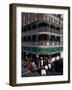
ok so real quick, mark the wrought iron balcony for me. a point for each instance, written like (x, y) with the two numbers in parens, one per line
(44, 29)
(43, 43)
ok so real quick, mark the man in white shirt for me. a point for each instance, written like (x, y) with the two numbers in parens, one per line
(49, 66)
(41, 61)
(43, 72)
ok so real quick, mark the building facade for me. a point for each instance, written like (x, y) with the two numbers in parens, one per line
(42, 36)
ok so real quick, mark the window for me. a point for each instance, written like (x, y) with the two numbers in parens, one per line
(28, 15)
(57, 22)
(24, 18)
(53, 20)
(47, 18)
(50, 19)
(35, 18)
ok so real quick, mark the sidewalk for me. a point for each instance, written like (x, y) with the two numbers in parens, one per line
(25, 70)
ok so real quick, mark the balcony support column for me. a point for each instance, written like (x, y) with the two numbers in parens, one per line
(48, 39)
(37, 27)
(31, 27)
(37, 39)
(26, 38)
(31, 39)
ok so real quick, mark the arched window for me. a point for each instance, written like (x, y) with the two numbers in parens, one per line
(52, 26)
(34, 38)
(43, 24)
(52, 38)
(28, 38)
(24, 29)
(34, 26)
(57, 39)
(42, 37)
(29, 27)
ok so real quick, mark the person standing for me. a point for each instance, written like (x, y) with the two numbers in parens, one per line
(41, 62)
(34, 68)
(49, 67)
(46, 64)
(43, 71)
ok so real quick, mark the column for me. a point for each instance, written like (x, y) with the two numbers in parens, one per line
(50, 40)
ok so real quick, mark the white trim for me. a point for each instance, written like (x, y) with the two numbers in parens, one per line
(42, 46)
(31, 33)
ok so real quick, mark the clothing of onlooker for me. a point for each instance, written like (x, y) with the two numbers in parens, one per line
(43, 72)
(34, 66)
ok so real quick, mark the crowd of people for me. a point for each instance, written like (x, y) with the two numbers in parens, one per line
(42, 65)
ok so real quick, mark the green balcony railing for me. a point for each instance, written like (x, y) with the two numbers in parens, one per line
(39, 50)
